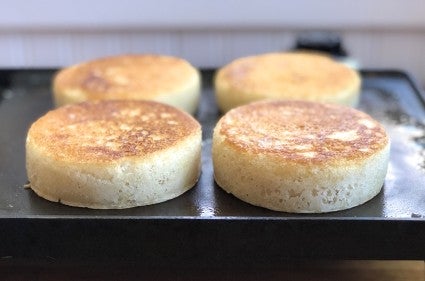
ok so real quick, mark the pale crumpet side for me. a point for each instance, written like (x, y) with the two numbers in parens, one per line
(113, 154)
(298, 156)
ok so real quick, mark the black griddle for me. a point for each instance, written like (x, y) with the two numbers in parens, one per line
(207, 226)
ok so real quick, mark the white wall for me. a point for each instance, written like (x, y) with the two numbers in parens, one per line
(48, 33)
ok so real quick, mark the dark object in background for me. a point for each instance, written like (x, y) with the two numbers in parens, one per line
(326, 42)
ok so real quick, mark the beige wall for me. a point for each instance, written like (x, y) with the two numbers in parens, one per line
(379, 33)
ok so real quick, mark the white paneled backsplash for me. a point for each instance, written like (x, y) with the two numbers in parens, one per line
(379, 34)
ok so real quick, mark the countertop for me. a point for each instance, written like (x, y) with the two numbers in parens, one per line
(294, 271)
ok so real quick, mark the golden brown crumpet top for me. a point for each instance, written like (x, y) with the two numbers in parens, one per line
(303, 132)
(101, 131)
(126, 76)
(289, 75)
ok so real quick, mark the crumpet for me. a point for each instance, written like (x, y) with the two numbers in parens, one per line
(286, 76)
(166, 79)
(302, 157)
(113, 154)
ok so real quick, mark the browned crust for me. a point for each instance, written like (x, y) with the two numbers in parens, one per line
(288, 75)
(102, 131)
(126, 76)
(303, 132)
